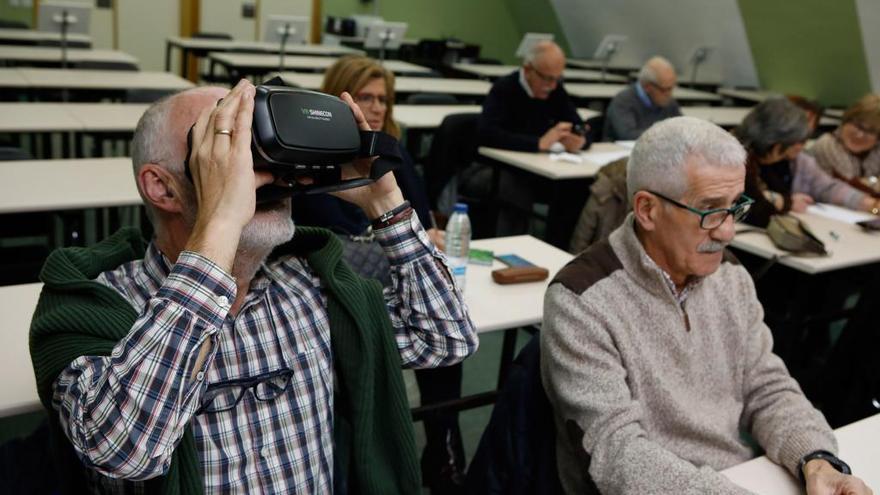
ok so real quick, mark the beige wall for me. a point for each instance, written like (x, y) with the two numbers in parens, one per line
(224, 16)
(143, 27)
(101, 28)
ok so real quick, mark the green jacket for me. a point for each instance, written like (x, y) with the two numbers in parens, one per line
(373, 432)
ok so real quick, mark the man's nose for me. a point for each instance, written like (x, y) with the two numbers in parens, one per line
(724, 232)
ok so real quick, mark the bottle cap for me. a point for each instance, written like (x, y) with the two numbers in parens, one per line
(462, 207)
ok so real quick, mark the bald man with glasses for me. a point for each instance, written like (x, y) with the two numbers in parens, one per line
(647, 101)
(529, 110)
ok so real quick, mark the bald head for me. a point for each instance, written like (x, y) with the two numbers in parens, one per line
(545, 52)
(543, 65)
(658, 79)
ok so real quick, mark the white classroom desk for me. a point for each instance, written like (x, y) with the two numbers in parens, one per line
(430, 116)
(107, 117)
(752, 95)
(499, 307)
(218, 45)
(470, 87)
(541, 164)
(48, 185)
(859, 445)
(8, 35)
(19, 391)
(201, 45)
(601, 91)
(494, 71)
(597, 65)
(852, 246)
(37, 117)
(249, 63)
(81, 79)
(12, 78)
(45, 54)
(732, 116)
(70, 117)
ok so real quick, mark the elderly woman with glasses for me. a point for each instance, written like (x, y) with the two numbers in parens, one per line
(779, 175)
(852, 151)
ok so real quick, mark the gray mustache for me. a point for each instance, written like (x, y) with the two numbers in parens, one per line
(711, 247)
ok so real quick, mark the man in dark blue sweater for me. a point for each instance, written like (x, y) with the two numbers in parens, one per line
(529, 110)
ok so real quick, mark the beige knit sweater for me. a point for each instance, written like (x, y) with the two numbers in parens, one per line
(652, 397)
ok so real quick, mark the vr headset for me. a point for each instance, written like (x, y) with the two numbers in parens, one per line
(298, 133)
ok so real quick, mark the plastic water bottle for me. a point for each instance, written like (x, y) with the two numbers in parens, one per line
(458, 241)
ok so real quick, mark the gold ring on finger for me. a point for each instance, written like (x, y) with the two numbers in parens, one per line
(226, 132)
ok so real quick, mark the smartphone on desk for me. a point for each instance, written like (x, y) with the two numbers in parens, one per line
(872, 225)
(513, 260)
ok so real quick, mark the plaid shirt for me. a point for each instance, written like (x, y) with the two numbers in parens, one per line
(125, 413)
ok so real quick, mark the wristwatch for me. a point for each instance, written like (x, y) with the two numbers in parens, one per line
(830, 458)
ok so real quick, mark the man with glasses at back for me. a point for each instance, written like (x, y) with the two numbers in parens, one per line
(654, 353)
(647, 101)
(529, 110)
(235, 353)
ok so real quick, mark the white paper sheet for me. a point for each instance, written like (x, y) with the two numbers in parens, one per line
(604, 157)
(838, 213)
(626, 144)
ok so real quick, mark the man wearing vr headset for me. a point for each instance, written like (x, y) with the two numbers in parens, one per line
(208, 359)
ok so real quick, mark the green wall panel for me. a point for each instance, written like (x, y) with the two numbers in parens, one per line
(497, 25)
(21, 14)
(538, 16)
(809, 47)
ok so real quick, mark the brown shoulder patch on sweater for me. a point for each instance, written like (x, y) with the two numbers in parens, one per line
(589, 267)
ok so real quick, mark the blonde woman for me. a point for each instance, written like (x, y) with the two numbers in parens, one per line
(372, 88)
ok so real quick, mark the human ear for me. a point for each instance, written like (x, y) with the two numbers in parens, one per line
(160, 188)
(646, 207)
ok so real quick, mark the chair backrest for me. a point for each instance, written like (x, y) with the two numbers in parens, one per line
(453, 148)
(107, 65)
(431, 99)
(10, 153)
(517, 452)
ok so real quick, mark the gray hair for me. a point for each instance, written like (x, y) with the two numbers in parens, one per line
(539, 50)
(773, 121)
(151, 142)
(648, 72)
(658, 160)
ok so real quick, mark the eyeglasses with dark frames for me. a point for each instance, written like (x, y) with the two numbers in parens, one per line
(224, 396)
(712, 219)
(547, 78)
